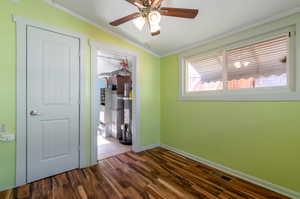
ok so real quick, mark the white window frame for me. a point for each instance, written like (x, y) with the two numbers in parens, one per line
(284, 93)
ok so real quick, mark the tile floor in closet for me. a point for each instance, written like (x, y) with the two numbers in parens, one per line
(110, 146)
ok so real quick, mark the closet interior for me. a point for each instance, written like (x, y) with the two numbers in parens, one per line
(115, 105)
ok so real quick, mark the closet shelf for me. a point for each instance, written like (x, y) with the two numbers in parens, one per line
(125, 98)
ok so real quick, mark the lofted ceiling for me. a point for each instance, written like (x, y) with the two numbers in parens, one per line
(215, 18)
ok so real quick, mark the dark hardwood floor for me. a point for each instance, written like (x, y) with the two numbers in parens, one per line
(152, 174)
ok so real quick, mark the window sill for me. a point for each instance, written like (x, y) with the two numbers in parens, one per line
(264, 94)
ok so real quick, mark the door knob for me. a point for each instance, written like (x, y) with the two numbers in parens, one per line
(34, 113)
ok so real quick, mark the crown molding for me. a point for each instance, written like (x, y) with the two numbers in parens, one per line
(234, 31)
(74, 14)
(186, 47)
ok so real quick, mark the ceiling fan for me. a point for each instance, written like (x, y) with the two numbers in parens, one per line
(150, 12)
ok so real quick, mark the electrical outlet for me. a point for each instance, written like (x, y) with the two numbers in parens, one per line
(2, 128)
(7, 138)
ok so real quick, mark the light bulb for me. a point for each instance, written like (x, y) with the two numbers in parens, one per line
(154, 18)
(238, 64)
(139, 22)
(154, 28)
(246, 63)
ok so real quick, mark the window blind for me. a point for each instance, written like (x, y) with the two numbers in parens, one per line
(261, 59)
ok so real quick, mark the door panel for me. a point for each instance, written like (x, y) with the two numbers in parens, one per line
(56, 65)
(51, 146)
(52, 103)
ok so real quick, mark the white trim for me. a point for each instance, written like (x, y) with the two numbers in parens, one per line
(232, 32)
(95, 46)
(21, 138)
(7, 188)
(144, 148)
(93, 106)
(21, 100)
(93, 23)
(252, 179)
(288, 93)
(26, 21)
(83, 162)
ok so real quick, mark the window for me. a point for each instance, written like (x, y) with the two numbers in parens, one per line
(205, 74)
(258, 67)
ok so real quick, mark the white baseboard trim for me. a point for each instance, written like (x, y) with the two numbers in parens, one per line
(7, 188)
(252, 179)
(144, 148)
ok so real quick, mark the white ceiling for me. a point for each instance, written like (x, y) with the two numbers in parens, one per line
(215, 17)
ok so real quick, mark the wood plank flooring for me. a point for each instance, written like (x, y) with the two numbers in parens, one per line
(152, 174)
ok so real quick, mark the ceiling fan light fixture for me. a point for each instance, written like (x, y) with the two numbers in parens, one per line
(151, 12)
(154, 18)
(154, 28)
(139, 22)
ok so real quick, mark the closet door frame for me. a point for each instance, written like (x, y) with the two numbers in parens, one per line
(136, 103)
(21, 94)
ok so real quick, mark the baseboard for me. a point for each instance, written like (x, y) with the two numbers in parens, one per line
(144, 148)
(252, 179)
(249, 178)
(7, 188)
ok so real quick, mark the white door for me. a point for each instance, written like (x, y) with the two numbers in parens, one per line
(52, 103)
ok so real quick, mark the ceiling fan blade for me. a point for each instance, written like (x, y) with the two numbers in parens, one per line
(155, 33)
(125, 19)
(156, 3)
(179, 12)
(137, 3)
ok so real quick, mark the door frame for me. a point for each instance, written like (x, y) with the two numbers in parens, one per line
(21, 101)
(96, 46)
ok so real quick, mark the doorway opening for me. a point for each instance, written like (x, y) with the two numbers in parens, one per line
(114, 107)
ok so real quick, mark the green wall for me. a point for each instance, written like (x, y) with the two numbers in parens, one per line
(261, 139)
(257, 138)
(42, 12)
